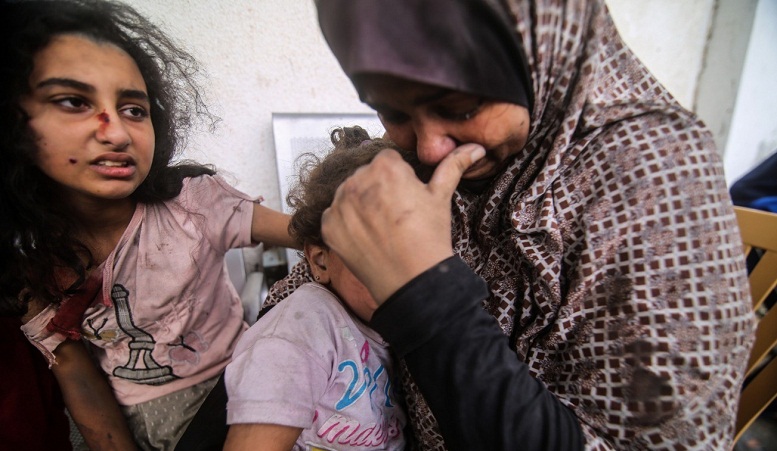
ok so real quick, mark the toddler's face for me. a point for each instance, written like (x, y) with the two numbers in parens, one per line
(90, 113)
(349, 288)
(333, 273)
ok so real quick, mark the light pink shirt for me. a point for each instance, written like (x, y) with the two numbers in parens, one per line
(309, 364)
(168, 317)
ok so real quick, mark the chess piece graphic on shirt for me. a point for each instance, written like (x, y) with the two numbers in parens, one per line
(141, 345)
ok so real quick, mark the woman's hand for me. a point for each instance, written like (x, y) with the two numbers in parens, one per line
(388, 226)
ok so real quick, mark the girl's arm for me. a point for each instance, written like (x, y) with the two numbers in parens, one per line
(90, 400)
(268, 437)
(271, 228)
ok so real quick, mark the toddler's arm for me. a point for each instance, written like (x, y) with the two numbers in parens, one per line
(271, 228)
(268, 437)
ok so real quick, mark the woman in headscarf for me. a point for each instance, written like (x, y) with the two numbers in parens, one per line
(594, 293)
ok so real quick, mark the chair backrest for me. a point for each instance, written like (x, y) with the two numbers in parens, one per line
(759, 234)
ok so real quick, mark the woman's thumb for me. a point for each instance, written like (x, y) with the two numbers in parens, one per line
(450, 170)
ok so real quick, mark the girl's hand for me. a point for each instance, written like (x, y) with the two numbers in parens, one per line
(388, 226)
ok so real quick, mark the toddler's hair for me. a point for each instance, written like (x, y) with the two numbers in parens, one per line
(319, 178)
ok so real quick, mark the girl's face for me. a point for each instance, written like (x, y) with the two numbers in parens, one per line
(434, 121)
(89, 111)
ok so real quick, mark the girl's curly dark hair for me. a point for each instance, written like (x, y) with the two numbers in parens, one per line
(36, 235)
(319, 178)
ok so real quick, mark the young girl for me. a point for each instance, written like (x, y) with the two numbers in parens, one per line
(103, 237)
(333, 387)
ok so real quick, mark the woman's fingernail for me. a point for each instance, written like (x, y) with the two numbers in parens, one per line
(477, 152)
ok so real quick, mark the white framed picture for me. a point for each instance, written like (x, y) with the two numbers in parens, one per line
(295, 134)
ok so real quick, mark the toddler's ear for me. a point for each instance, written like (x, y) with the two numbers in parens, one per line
(317, 257)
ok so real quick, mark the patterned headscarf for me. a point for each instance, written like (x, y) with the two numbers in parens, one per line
(609, 245)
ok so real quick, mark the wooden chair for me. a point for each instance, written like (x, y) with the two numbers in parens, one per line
(759, 232)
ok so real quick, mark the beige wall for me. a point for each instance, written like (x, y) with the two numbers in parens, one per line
(752, 128)
(669, 36)
(262, 56)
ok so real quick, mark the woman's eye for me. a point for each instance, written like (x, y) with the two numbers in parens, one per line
(393, 117)
(135, 112)
(72, 103)
(460, 111)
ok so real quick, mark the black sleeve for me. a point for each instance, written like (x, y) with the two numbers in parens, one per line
(758, 183)
(481, 394)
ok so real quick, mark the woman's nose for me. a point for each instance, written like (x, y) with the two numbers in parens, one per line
(111, 131)
(433, 143)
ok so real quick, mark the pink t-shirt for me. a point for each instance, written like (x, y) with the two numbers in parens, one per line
(168, 316)
(308, 363)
